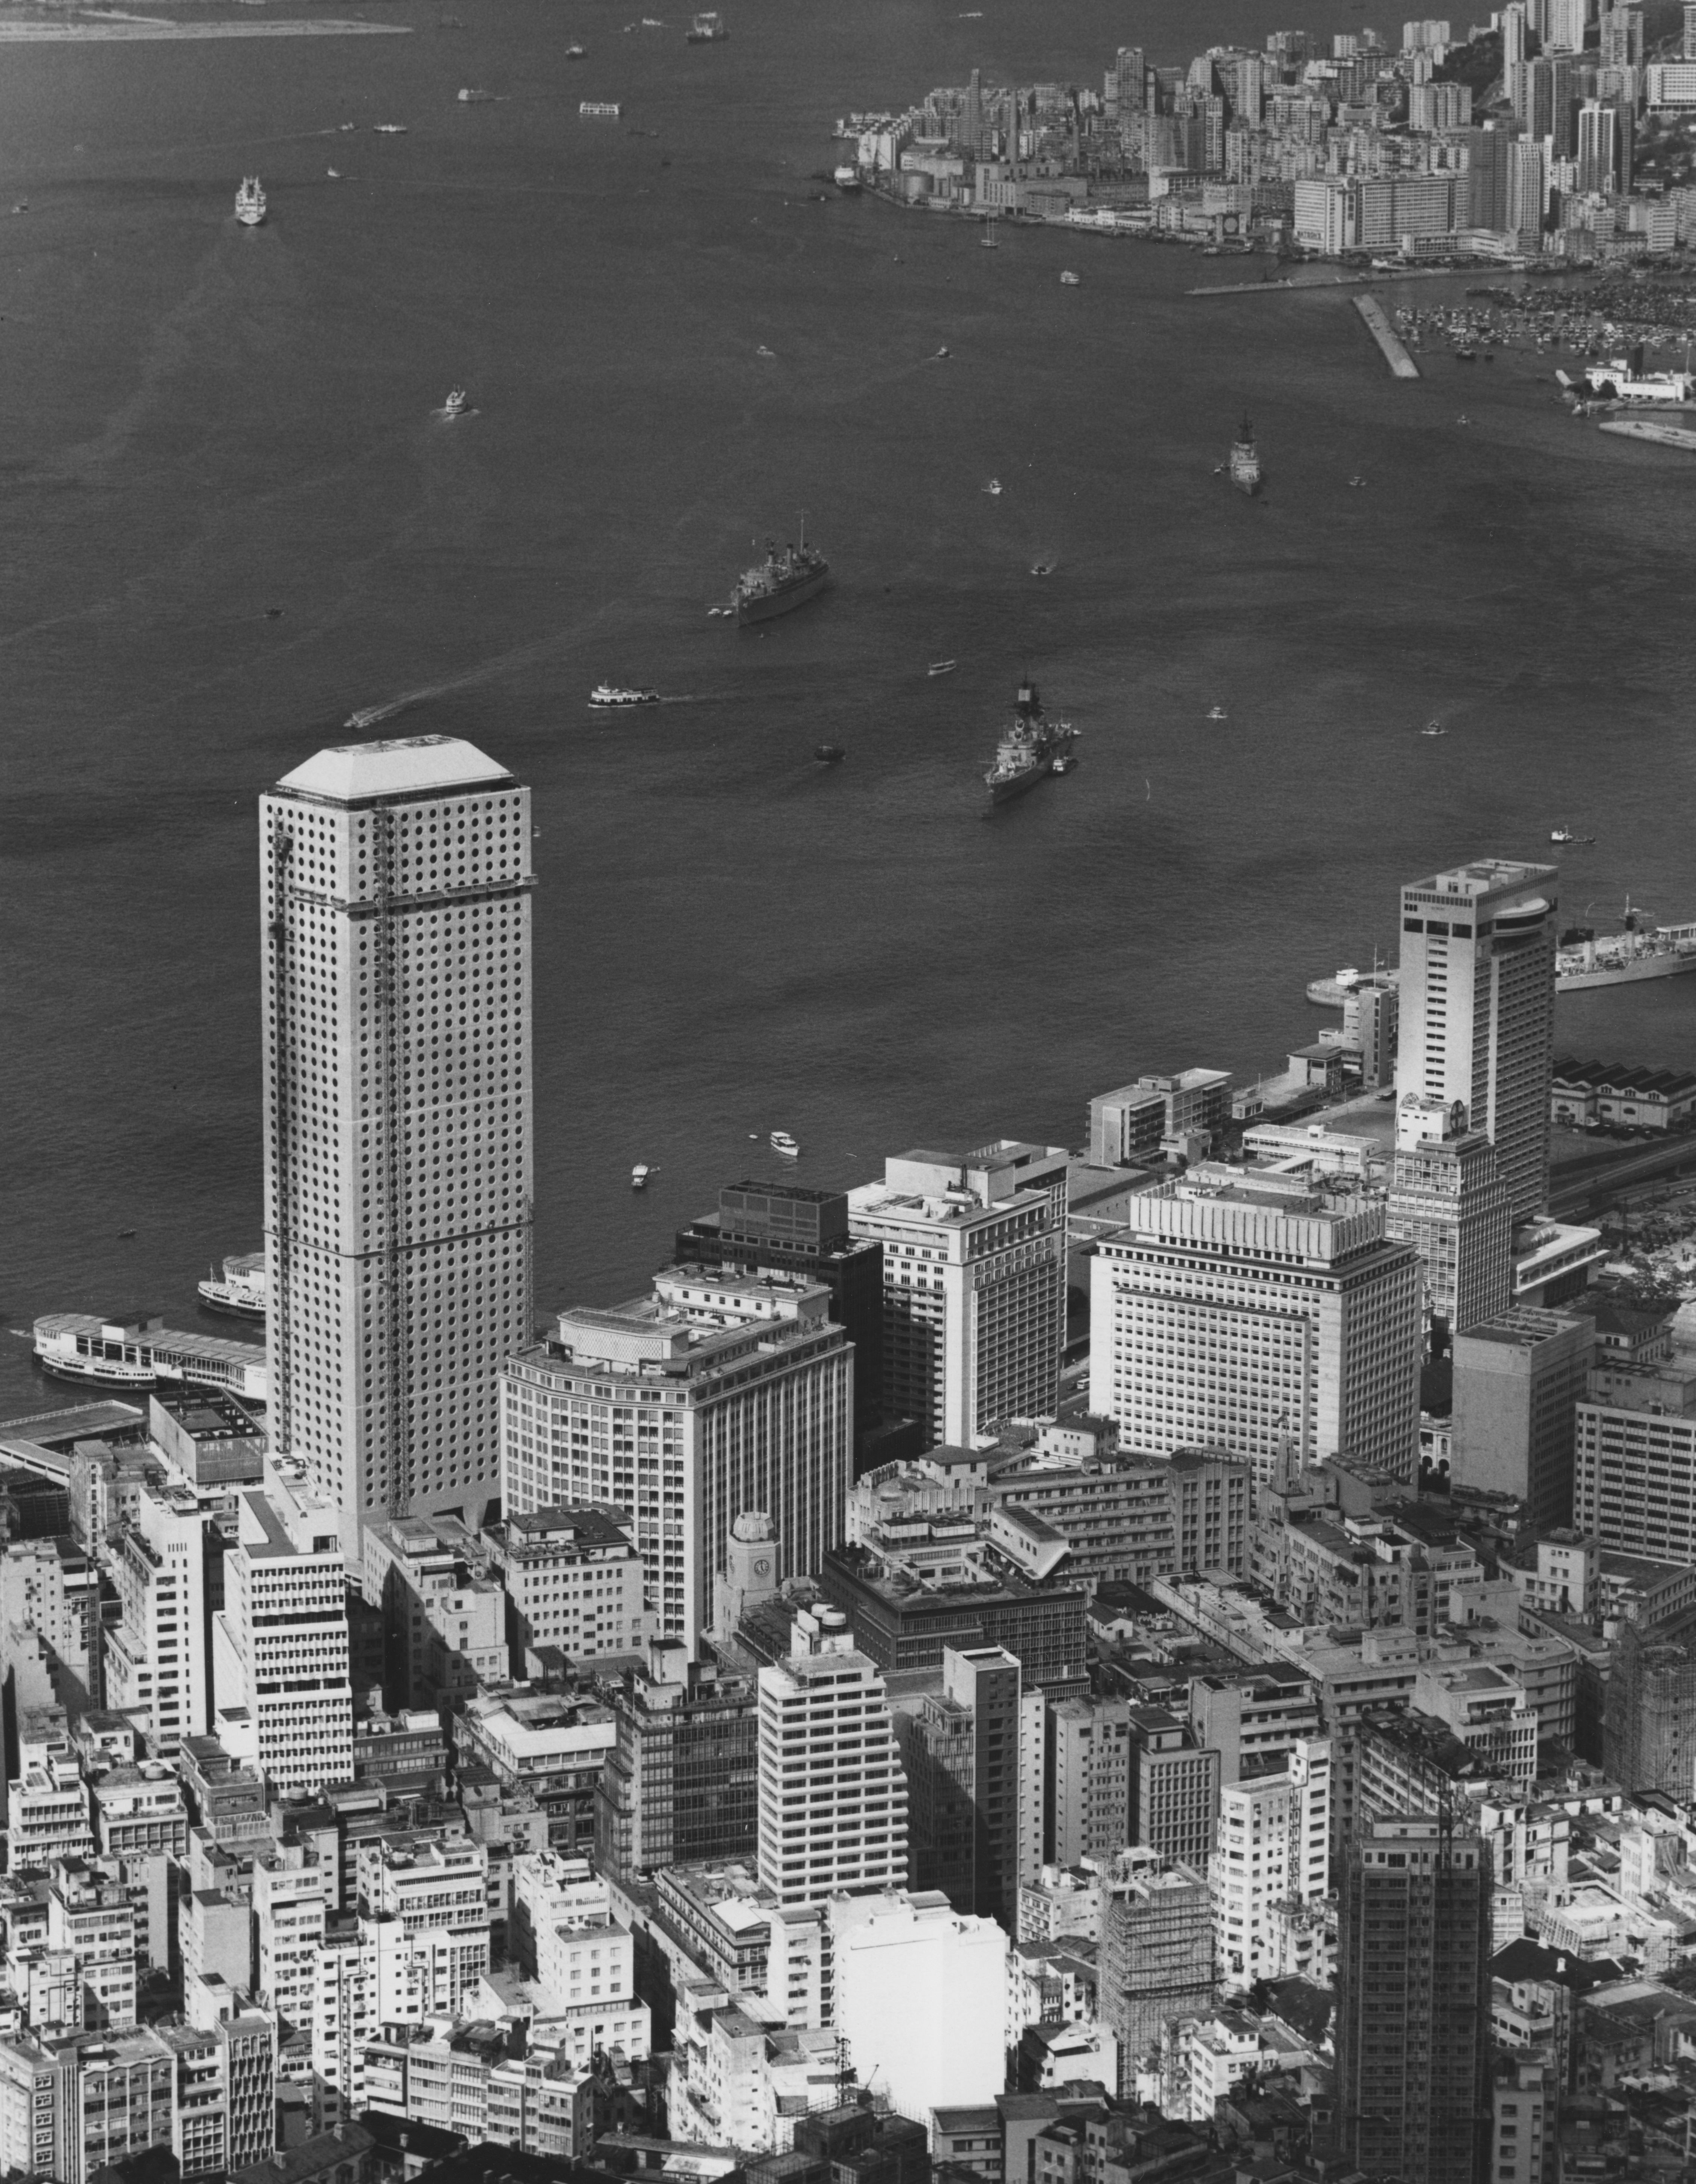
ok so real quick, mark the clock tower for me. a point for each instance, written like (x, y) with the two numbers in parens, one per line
(749, 1574)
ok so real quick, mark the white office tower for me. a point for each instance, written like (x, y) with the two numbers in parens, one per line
(1447, 1199)
(1233, 1309)
(1477, 1008)
(723, 1391)
(833, 1796)
(974, 1284)
(395, 880)
(921, 2000)
(1273, 1853)
(280, 1642)
(156, 1673)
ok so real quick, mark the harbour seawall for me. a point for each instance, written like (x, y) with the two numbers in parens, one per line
(1401, 365)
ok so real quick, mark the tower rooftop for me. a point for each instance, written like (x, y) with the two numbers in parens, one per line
(353, 773)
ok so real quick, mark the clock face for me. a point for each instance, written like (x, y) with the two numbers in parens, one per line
(763, 1567)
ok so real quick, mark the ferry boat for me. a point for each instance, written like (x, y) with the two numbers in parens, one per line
(1584, 959)
(608, 697)
(1245, 461)
(1025, 753)
(639, 1176)
(240, 1291)
(599, 109)
(250, 202)
(785, 581)
(782, 1142)
(140, 1353)
(706, 30)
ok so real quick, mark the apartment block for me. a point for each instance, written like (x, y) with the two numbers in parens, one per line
(1634, 1480)
(572, 1579)
(1273, 1848)
(1174, 1788)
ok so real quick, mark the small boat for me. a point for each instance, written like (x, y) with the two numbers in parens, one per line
(830, 754)
(782, 1142)
(250, 202)
(639, 1176)
(1357, 479)
(1566, 834)
(124, 1234)
(993, 487)
(574, 52)
(607, 697)
(1064, 763)
(1463, 420)
(1433, 728)
(476, 97)
(1042, 568)
(456, 404)
(273, 614)
(942, 667)
(1218, 713)
(1068, 281)
(389, 129)
(334, 174)
(1245, 461)
(763, 351)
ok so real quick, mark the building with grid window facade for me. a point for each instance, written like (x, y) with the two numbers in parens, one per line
(974, 1284)
(395, 880)
(721, 1392)
(833, 1795)
(1634, 1480)
(1273, 1848)
(1233, 1316)
(1477, 1010)
(1447, 1199)
(1413, 2013)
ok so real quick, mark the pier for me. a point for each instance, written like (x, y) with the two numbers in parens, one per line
(1401, 365)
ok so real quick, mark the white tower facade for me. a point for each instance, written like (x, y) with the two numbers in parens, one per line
(833, 1792)
(1477, 1010)
(395, 879)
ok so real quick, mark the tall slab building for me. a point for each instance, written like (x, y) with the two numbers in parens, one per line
(1477, 1009)
(395, 881)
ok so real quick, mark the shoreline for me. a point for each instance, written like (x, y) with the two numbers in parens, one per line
(145, 27)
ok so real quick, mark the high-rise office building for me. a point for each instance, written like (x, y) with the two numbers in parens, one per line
(1477, 990)
(720, 1393)
(785, 1228)
(1174, 1787)
(681, 1784)
(1413, 2014)
(280, 1667)
(1231, 1314)
(1518, 1380)
(974, 1284)
(1447, 1199)
(833, 1796)
(395, 882)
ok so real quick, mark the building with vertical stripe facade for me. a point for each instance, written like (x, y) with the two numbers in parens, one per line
(395, 880)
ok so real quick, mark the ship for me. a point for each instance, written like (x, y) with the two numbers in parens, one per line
(1584, 959)
(1245, 460)
(847, 179)
(706, 30)
(1566, 834)
(250, 202)
(476, 97)
(1026, 753)
(575, 52)
(787, 579)
(240, 1291)
(599, 109)
(140, 1353)
(639, 1176)
(456, 404)
(608, 697)
(782, 1142)
(1068, 280)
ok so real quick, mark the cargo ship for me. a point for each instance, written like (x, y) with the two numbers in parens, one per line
(787, 578)
(1027, 752)
(1585, 959)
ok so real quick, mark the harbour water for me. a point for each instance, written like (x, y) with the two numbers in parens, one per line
(206, 422)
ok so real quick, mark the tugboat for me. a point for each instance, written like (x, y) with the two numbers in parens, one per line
(608, 697)
(787, 580)
(250, 202)
(1027, 751)
(1245, 460)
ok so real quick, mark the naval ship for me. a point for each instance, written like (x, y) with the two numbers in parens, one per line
(786, 579)
(1033, 748)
